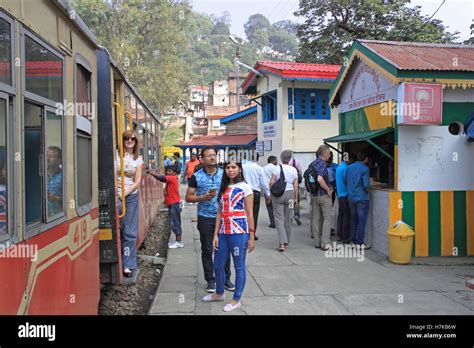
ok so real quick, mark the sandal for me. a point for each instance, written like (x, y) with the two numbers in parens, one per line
(282, 247)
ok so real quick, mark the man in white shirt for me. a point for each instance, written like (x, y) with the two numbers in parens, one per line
(295, 163)
(253, 174)
(268, 171)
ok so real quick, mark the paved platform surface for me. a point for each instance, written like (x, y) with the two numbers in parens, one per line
(304, 280)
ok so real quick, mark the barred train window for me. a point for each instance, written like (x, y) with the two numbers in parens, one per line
(44, 71)
(84, 109)
(5, 53)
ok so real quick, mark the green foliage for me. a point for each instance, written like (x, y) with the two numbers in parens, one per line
(146, 39)
(257, 29)
(470, 41)
(331, 26)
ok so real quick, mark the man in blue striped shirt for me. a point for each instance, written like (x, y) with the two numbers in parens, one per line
(358, 185)
(343, 230)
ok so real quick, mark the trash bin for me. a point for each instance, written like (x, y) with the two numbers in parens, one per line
(400, 242)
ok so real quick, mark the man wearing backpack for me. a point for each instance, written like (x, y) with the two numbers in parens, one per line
(284, 191)
(321, 202)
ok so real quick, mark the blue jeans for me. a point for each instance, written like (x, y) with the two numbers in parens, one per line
(359, 215)
(236, 244)
(205, 227)
(129, 231)
(175, 218)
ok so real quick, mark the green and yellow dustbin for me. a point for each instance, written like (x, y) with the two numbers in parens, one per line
(400, 242)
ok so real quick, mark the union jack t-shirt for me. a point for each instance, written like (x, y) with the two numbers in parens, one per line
(233, 217)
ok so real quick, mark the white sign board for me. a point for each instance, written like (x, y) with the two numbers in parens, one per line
(267, 145)
(259, 148)
(364, 87)
(432, 159)
(269, 131)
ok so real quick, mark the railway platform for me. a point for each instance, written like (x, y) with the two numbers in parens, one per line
(304, 280)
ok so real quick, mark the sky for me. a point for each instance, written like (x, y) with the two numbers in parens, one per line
(456, 14)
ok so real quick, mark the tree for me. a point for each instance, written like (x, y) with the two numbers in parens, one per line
(257, 29)
(282, 37)
(146, 39)
(331, 26)
(470, 41)
(286, 25)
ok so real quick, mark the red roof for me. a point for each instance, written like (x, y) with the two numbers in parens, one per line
(423, 56)
(220, 140)
(291, 70)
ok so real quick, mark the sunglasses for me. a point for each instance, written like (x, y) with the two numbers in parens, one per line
(133, 139)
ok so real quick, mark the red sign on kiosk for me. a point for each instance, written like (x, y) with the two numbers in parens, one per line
(419, 103)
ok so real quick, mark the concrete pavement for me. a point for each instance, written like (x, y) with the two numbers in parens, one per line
(305, 280)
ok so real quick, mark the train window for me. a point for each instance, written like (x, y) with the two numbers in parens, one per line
(141, 119)
(129, 108)
(84, 169)
(151, 155)
(33, 163)
(54, 165)
(44, 167)
(83, 91)
(83, 135)
(5, 52)
(3, 170)
(44, 71)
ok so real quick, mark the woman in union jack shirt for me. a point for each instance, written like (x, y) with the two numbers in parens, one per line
(234, 232)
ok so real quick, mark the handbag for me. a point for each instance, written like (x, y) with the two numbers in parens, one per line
(278, 188)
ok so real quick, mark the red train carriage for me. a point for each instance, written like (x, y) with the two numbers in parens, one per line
(128, 112)
(50, 186)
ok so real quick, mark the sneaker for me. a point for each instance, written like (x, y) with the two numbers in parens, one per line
(176, 245)
(229, 285)
(298, 221)
(230, 307)
(272, 226)
(212, 298)
(364, 246)
(211, 287)
(327, 247)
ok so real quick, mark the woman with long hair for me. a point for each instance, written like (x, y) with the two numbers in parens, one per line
(234, 232)
(129, 223)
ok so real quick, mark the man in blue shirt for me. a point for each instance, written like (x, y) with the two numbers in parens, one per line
(321, 203)
(343, 229)
(203, 187)
(358, 185)
(54, 180)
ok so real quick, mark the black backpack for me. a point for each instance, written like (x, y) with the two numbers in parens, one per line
(278, 188)
(310, 179)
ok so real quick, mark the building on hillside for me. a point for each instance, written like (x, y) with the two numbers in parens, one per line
(293, 107)
(240, 137)
(404, 104)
